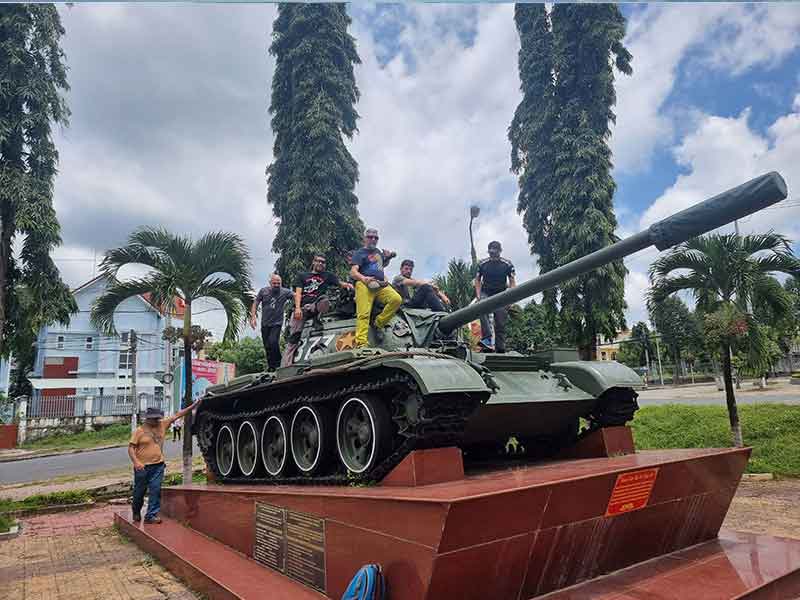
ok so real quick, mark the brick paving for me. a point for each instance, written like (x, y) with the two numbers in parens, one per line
(79, 556)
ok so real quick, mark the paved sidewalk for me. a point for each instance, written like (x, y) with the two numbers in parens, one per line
(79, 556)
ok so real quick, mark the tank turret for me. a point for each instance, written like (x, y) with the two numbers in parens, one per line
(341, 415)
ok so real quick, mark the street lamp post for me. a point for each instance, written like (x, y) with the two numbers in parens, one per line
(474, 211)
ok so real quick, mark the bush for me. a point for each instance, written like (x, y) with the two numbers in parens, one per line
(5, 523)
(117, 433)
(42, 500)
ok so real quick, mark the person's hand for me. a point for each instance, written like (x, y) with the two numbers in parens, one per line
(253, 322)
(389, 254)
(444, 298)
(366, 279)
(137, 466)
(348, 286)
(298, 314)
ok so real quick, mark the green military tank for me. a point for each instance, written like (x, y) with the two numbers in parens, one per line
(342, 415)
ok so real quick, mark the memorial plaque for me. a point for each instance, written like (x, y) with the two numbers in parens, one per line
(305, 549)
(292, 543)
(270, 546)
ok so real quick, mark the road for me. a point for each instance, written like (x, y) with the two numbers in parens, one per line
(779, 393)
(39, 469)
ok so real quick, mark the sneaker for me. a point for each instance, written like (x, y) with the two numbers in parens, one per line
(152, 520)
(137, 517)
(486, 344)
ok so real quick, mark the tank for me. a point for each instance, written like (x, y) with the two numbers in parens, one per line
(341, 415)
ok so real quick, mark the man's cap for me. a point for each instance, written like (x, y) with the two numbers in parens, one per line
(153, 413)
(495, 244)
(372, 231)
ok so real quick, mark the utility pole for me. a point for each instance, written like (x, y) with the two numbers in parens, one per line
(658, 355)
(134, 399)
(647, 365)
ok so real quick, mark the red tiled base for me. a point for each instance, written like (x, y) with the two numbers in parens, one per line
(734, 566)
(208, 566)
(608, 441)
(424, 467)
(514, 533)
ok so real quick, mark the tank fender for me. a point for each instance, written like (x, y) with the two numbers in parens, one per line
(595, 377)
(439, 375)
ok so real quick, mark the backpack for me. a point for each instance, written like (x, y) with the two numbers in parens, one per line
(367, 584)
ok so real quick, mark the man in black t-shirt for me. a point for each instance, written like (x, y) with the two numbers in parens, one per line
(310, 301)
(272, 300)
(495, 275)
(426, 294)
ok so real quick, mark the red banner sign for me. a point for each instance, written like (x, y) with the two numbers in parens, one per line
(631, 491)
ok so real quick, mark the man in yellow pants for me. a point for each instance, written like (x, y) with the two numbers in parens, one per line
(366, 269)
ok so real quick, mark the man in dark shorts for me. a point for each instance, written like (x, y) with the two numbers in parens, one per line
(310, 301)
(272, 300)
(366, 269)
(426, 294)
(495, 275)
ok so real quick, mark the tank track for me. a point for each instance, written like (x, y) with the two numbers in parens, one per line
(443, 418)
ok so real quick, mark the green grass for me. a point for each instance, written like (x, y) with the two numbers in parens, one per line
(118, 433)
(773, 430)
(177, 478)
(42, 500)
(5, 523)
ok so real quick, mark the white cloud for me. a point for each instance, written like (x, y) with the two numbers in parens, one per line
(432, 137)
(722, 153)
(756, 35)
(727, 37)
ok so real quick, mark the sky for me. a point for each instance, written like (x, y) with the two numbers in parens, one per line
(170, 128)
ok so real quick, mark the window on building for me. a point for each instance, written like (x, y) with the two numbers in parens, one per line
(89, 342)
(60, 342)
(125, 352)
(602, 356)
(613, 356)
(122, 393)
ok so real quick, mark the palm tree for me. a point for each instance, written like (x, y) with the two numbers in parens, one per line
(458, 282)
(215, 266)
(728, 274)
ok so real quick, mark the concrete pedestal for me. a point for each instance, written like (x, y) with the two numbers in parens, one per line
(516, 532)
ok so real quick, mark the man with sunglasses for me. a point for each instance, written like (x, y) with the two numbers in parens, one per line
(366, 269)
(310, 301)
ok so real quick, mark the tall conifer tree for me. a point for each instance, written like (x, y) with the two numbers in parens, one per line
(560, 150)
(33, 81)
(313, 175)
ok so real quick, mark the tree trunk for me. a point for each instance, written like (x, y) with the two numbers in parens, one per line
(730, 398)
(6, 237)
(187, 394)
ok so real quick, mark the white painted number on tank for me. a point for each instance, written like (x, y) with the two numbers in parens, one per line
(313, 345)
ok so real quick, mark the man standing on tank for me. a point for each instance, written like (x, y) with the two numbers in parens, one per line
(495, 275)
(272, 300)
(310, 301)
(366, 269)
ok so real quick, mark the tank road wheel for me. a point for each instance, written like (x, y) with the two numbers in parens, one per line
(363, 433)
(247, 448)
(275, 446)
(308, 438)
(225, 450)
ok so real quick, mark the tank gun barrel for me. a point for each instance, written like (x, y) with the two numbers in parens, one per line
(701, 218)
